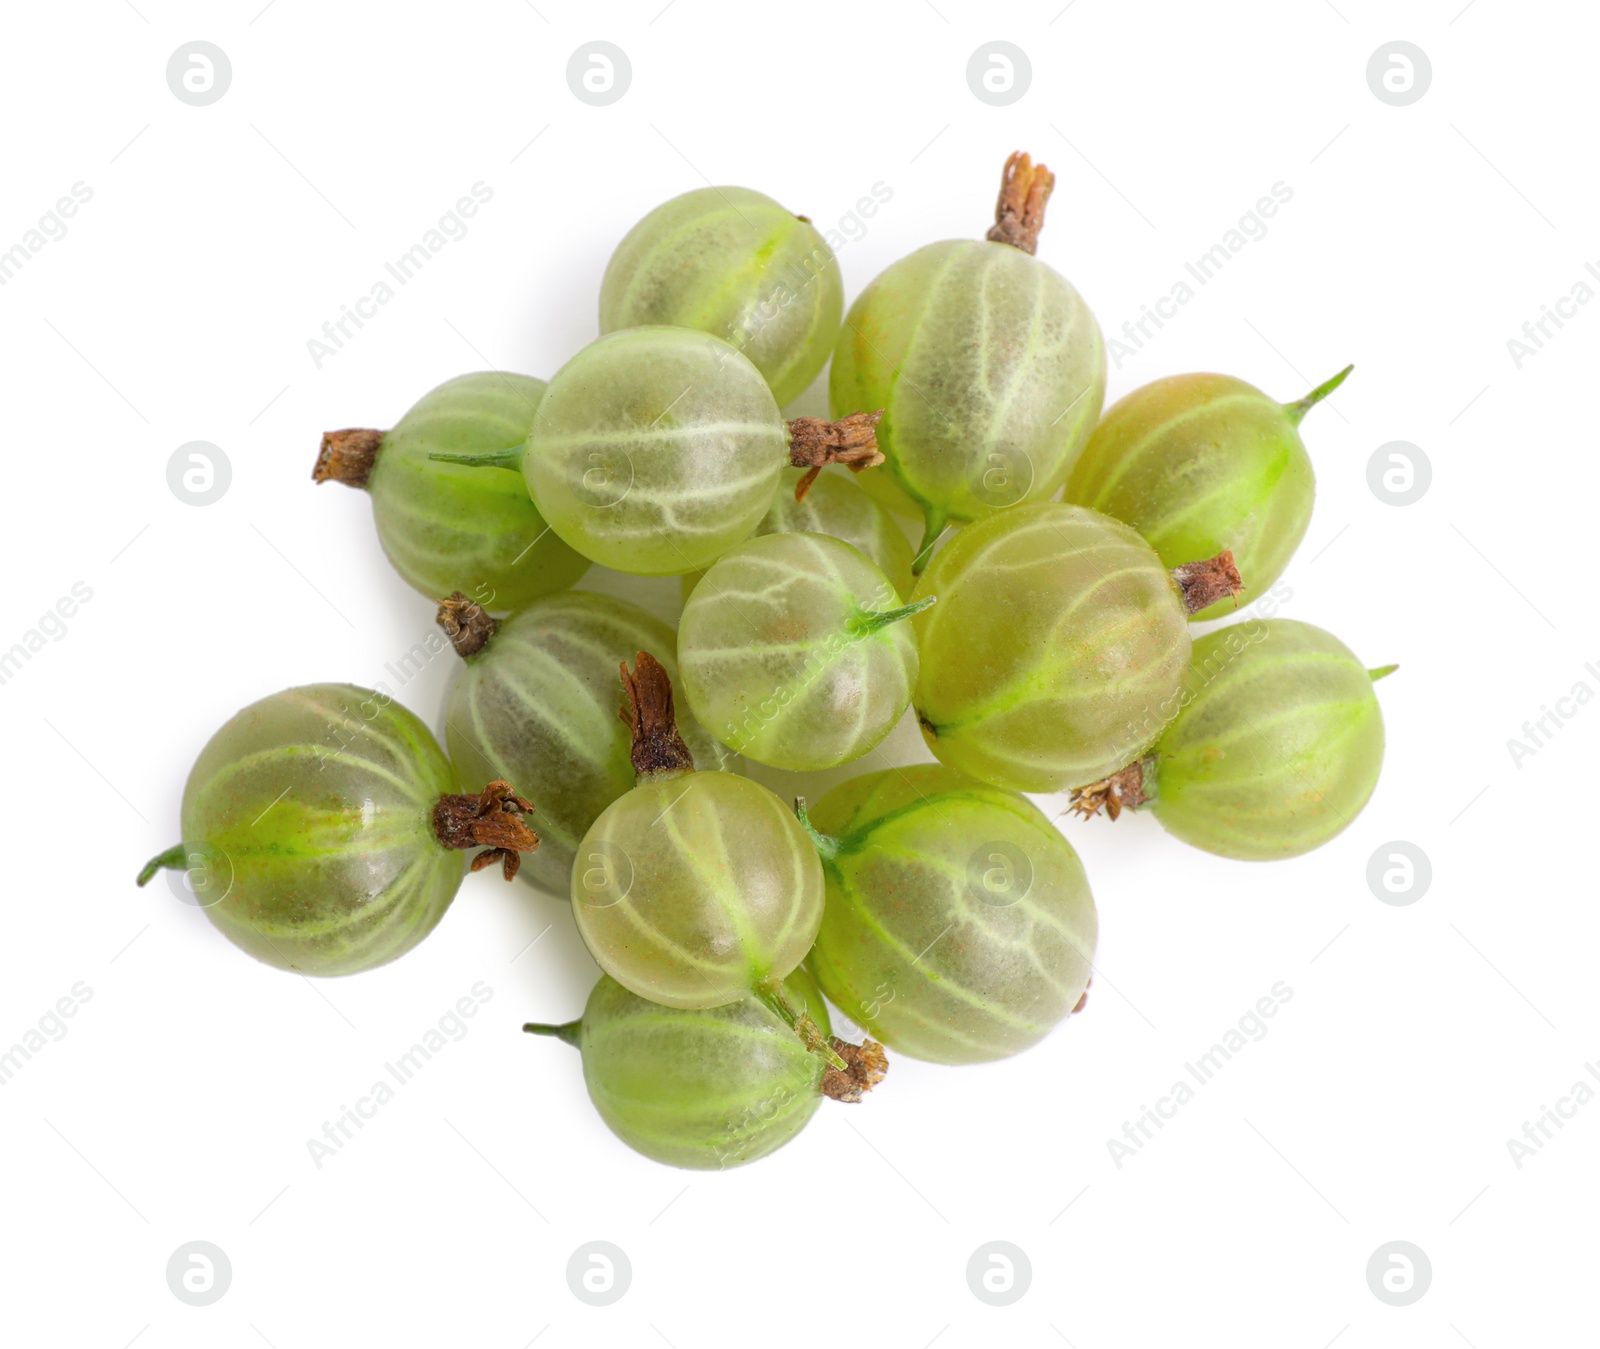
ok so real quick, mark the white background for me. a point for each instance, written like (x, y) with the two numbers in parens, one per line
(1419, 1038)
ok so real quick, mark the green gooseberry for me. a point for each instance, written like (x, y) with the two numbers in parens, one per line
(836, 506)
(707, 1088)
(535, 703)
(989, 367)
(1275, 748)
(733, 263)
(446, 527)
(655, 450)
(793, 651)
(1199, 463)
(323, 830)
(1058, 640)
(959, 926)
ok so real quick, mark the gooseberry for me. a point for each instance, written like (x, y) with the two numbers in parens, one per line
(988, 365)
(793, 651)
(1057, 642)
(1199, 463)
(1275, 749)
(710, 1088)
(734, 263)
(446, 527)
(655, 450)
(535, 703)
(323, 829)
(959, 926)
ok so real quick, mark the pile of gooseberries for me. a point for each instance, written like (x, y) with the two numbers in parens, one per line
(599, 752)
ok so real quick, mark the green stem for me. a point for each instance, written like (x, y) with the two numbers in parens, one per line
(828, 847)
(568, 1032)
(510, 457)
(769, 992)
(1383, 671)
(176, 858)
(936, 522)
(1298, 410)
(866, 621)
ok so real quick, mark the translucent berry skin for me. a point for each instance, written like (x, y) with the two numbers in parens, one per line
(991, 372)
(1279, 748)
(655, 450)
(446, 527)
(308, 819)
(779, 654)
(1055, 652)
(959, 924)
(836, 506)
(708, 1089)
(694, 888)
(538, 707)
(1199, 463)
(733, 263)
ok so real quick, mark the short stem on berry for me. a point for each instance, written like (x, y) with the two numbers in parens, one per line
(1205, 582)
(866, 621)
(769, 992)
(828, 847)
(936, 521)
(347, 456)
(568, 1032)
(510, 457)
(1382, 672)
(1297, 411)
(176, 858)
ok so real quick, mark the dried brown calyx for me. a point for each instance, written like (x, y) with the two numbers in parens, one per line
(1025, 187)
(657, 747)
(1126, 788)
(492, 819)
(1204, 583)
(865, 1066)
(467, 625)
(347, 456)
(814, 443)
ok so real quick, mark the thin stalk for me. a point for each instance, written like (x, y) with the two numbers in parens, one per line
(511, 457)
(1297, 411)
(176, 858)
(936, 522)
(866, 622)
(769, 992)
(568, 1032)
(826, 846)
(1382, 672)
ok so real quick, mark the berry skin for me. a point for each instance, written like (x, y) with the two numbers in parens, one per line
(1276, 747)
(1058, 640)
(733, 263)
(705, 1089)
(535, 703)
(322, 829)
(1199, 463)
(959, 925)
(446, 527)
(989, 367)
(836, 506)
(794, 652)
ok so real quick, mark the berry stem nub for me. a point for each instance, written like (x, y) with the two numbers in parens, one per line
(934, 525)
(1298, 410)
(658, 749)
(466, 624)
(347, 456)
(769, 993)
(868, 621)
(568, 1032)
(814, 443)
(1204, 583)
(827, 847)
(176, 858)
(510, 457)
(1382, 672)
(1126, 788)
(1025, 187)
(492, 819)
